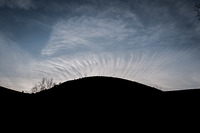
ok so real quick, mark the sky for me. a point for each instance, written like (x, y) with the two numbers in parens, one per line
(154, 42)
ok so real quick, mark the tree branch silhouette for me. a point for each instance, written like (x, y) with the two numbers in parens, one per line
(197, 9)
(43, 85)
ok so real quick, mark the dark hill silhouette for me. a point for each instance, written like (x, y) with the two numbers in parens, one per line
(103, 86)
(5, 92)
(100, 93)
(102, 89)
(190, 96)
(100, 86)
(107, 91)
(100, 100)
(90, 90)
(104, 96)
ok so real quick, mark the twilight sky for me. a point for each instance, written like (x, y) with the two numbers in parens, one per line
(154, 42)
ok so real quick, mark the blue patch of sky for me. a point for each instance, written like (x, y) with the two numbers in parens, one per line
(29, 29)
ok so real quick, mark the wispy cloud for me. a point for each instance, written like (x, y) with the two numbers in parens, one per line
(16, 66)
(120, 43)
(21, 4)
(89, 33)
(165, 69)
(117, 28)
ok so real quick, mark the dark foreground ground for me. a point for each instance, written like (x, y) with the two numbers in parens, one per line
(100, 103)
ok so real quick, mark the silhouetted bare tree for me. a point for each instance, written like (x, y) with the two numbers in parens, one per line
(43, 85)
(197, 9)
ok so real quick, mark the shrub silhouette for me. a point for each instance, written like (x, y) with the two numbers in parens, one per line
(43, 85)
(197, 9)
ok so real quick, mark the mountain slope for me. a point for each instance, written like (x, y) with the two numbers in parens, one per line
(101, 86)
(97, 93)
(102, 99)
(5, 92)
(105, 92)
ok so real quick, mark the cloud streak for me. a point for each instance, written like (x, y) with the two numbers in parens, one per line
(16, 66)
(158, 69)
(88, 33)
(21, 4)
